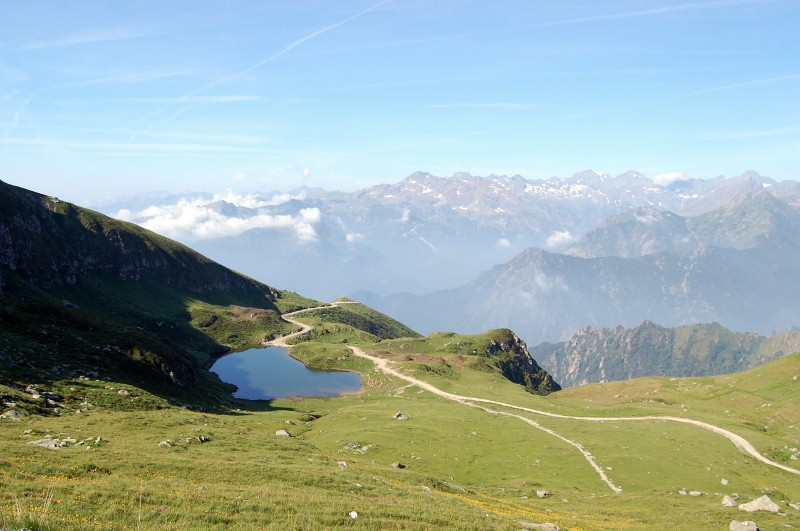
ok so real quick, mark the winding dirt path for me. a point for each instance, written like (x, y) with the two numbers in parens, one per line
(383, 365)
(740, 442)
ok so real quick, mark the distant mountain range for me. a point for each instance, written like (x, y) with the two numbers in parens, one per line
(421, 234)
(734, 265)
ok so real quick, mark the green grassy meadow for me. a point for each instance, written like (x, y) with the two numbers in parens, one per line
(157, 465)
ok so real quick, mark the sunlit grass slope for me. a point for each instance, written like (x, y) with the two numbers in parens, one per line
(439, 464)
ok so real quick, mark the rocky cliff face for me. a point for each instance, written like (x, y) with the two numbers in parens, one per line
(604, 354)
(510, 354)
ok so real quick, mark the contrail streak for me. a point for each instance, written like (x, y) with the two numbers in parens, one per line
(267, 60)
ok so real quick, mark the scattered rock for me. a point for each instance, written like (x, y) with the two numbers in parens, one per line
(682, 492)
(288, 422)
(764, 503)
(742, 526)
(426, 489)
(543, 493)
(547, 526)
(202, 439)
(12, 414)
(166, 443)
(50, 443)
(724, 482)
(123, 392)
(282, 433)
(353, 515)
(342, 464)
(398, 465)
(795, 506)
(695, 493)
(727, 501)
(399, 416)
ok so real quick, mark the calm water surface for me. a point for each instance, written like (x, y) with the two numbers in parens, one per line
(267, 373)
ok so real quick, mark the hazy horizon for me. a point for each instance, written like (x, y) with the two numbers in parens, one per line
(104, 100)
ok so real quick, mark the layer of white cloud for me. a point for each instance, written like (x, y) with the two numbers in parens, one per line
(665, 179)
(503, 242)
(559, 239)
(193, 218)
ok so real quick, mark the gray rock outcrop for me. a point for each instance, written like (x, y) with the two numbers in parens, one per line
(742, 526)
(764, 503)
(727, 501)
(547, 526)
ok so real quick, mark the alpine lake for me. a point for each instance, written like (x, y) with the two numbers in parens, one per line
(269, 373)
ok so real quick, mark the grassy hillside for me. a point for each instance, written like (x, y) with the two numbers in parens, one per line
(463, 468)
(356, 317)
(81, 293)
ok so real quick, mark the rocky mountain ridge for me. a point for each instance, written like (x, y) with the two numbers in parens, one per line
(596, 354)
(734, 265)
(510, 354)
(423, 232)
(744, 223)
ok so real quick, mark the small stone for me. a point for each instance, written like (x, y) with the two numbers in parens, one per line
(724, 482)
(695, 493)
(398, 465)
(166, 443)
(342, 464)
(282, 433)
(547, 526)
(543, 493)
(795, 506)
(682, 492)
(764, 503)
(12, 414)
(399, 416)
(426, 489)
(742, 526)
(123, 392)
(353, 515)
(727, 501)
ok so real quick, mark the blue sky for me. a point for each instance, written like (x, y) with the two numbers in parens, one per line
(104, 99)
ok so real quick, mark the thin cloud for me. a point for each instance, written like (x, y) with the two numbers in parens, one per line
(230, 77)
(119, 148)
(137, 77)
(291, 47)
(651, 12)
(750, 135)
(744, 84)
(233, 98)
(89, 37)
(499, 105)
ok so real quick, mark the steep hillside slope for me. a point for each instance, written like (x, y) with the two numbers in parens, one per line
(82, 292)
